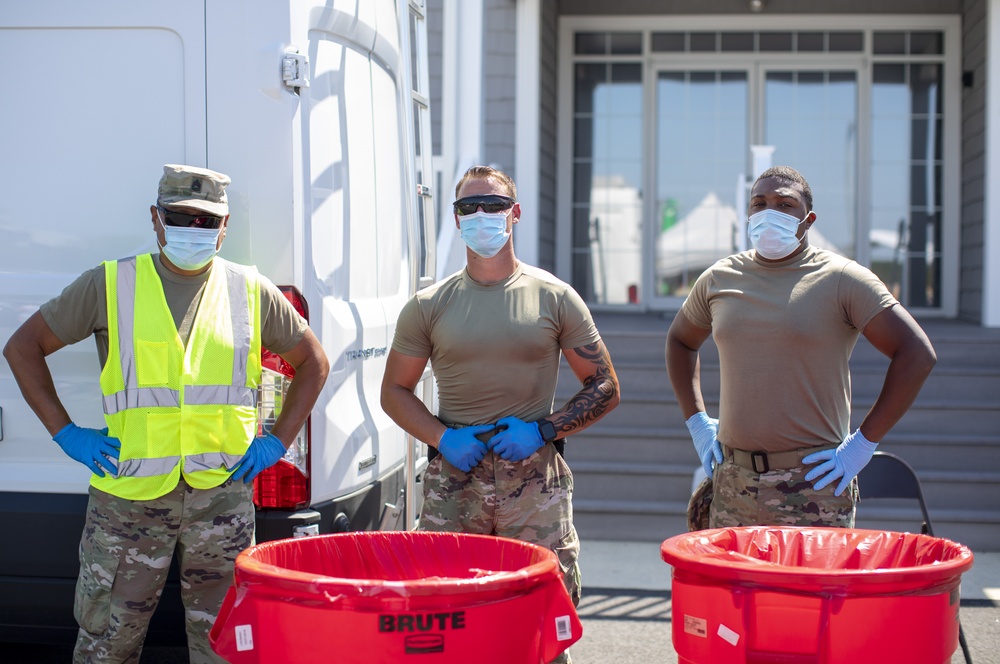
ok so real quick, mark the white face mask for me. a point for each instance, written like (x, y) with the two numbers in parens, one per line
(189, 248)
(484, 232)
(773, 233)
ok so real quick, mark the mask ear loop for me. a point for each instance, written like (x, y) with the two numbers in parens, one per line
(159, 218)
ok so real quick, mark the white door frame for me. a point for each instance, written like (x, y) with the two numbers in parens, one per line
(949, 25)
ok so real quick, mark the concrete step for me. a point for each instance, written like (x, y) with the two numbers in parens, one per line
(978, 418)
(977, 529)
(633, 469)
(656, 521)
(645, 522)
(978, 415)
(957, 343)
(621, 482)
(957, 490)
(632, 482)
(944, 383)
(650, 376)
(606, 442)
(927, 451)
(951, 351)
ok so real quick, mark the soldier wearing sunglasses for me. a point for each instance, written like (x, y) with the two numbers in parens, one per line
(494, 333)
(179, 336)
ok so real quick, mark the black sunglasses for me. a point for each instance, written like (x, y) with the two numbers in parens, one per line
(183, 220)
(492, 204)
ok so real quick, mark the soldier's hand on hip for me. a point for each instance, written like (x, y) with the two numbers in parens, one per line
(264, 452)
(845, 462)
(91, 447)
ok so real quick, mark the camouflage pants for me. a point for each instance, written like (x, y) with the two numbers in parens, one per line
(529, 500)
(125, 555)
(742, 497)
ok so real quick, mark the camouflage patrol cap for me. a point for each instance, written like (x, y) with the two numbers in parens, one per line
(193, 187)
(700, 505)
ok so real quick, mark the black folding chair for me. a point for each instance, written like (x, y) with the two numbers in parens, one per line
(889, 476)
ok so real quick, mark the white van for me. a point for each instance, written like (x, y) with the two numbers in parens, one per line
(316, 110)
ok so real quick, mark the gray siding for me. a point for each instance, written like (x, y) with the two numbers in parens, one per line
(548, 121)
(499, 43)
(499, 74)
(970, 283)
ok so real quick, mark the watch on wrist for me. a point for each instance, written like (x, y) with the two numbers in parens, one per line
(547, 430)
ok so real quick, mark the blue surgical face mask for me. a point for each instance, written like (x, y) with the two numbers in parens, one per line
(484, 232)
(190, 248)
(773, 233)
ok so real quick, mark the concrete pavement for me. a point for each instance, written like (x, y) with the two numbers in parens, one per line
(626, 610)
(637, 565)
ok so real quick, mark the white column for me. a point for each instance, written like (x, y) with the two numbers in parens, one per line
(461, 117)
(526, 129)
(991, 186)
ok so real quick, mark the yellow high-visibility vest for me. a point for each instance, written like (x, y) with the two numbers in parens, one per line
(179, 409)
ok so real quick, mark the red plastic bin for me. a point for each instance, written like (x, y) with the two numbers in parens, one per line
(396, 597)
(814, 595)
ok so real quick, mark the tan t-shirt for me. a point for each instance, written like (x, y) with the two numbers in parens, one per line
(785, 333)
(495, 349)
(81, 310)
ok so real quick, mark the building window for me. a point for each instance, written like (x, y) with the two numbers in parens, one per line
(661, 137)
(768, 41)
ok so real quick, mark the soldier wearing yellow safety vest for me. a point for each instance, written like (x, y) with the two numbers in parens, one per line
(179, 335)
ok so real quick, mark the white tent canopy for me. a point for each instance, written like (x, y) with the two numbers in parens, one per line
(710, 231)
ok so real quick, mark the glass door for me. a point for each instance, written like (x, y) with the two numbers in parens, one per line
(810, 116)
(706, 121)
(700, 159)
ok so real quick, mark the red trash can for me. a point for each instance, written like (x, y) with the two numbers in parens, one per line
(814, 595)
(396, 597)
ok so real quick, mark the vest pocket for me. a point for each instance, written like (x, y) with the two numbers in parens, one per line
(163, 433)
(152, 358)
(205, 433)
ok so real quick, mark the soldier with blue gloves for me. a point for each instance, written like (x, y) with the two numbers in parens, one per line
(179, 335)
(494, 333)
(785, 317)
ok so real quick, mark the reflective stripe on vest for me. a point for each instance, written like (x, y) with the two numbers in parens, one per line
(210, 461)
(163, 465)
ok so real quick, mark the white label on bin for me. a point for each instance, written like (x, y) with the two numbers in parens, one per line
(564, 629)
(244, 638)
(695, 626)
(728, 635)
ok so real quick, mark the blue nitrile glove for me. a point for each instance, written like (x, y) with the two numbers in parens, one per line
(91, 447)
(704, 432)
(461, 447)
(518, 441)
(264, 452)
(846, 461)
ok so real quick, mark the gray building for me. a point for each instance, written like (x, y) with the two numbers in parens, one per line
(633, 129)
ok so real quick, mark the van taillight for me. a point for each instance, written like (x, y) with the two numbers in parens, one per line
(285, 485)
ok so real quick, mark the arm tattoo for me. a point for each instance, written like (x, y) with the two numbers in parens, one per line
(599, 389)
